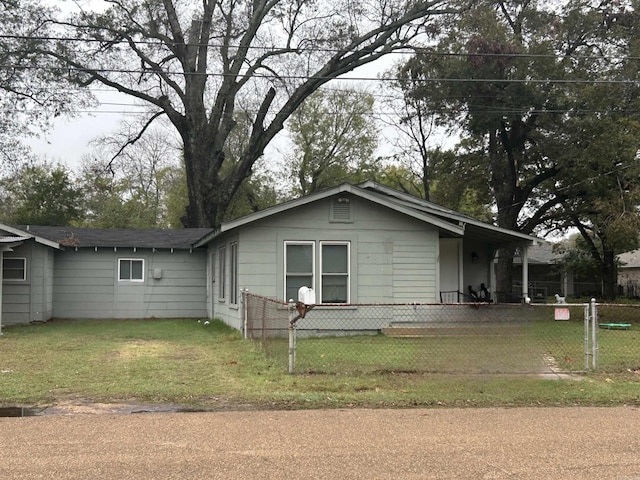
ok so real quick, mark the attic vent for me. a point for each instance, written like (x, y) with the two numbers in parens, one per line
(341, 210)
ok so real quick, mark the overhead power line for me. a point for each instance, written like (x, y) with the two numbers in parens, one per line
(274, 76)
(428, 51)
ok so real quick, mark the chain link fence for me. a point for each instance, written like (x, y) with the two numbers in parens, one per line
(466, 338)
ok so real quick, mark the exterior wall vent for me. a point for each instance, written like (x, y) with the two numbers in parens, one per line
(341, 210)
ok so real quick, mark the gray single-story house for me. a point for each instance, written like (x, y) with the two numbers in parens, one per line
(350, 244)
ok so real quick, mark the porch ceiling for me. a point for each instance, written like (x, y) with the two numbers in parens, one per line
(496, 237)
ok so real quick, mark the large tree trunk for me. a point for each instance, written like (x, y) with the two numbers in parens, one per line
(609, 275)
(504, 275)
(503, 183)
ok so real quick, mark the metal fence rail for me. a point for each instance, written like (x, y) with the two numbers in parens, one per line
(466, 338)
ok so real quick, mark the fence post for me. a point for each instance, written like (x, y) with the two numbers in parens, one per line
(587, 322)
(245, 319)
(594, 334)
(292, 337)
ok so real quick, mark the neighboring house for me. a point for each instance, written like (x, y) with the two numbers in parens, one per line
(545, 277)
(548, 276)
(629, 274)
(351, 244)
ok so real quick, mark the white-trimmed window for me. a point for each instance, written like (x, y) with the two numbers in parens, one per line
(233, 280)
(299, 267)
(14, 269)
(222, 272)
(131, 270)
(334, 272)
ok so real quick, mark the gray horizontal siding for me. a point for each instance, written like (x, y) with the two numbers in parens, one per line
(30, 300)
(414, 269)
(86, 285)
(393, 256)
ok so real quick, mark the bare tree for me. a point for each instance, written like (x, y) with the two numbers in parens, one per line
(198, 63)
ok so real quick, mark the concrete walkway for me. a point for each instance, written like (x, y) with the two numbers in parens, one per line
(495, 443)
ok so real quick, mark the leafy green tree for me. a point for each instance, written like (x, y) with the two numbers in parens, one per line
(131, 191)
(198, 63)
(333, 138)
(456, 182)
(510, 82)
(110, 204)
(601, 179)
(256, 193)
(41, 195)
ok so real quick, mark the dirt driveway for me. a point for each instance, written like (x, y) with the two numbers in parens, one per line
(519, 443)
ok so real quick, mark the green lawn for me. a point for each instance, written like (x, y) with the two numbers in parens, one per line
(529, 347)
(185, 362)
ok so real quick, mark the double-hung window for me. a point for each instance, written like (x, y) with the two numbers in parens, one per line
(299, 267)
(222, 272)
(233, 280)
(334, 261)
(14, 269)
(131, 269)
(333, 274)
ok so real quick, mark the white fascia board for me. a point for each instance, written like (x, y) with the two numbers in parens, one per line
(267, 212)
(27, 234)
(438, 210)
(344, 188)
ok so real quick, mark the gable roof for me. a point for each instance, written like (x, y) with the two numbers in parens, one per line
(13, 236)
(477, 228)
(449, 222)
(544, 253)
(629, 259)
(117, 237)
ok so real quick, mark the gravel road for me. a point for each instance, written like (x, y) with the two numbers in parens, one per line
(494, 443)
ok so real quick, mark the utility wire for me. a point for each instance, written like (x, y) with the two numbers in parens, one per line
(427, 51)
(150, 72)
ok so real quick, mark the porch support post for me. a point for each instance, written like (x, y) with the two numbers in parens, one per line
(525, 272)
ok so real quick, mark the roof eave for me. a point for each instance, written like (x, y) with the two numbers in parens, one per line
(36, 238)
(267, 212)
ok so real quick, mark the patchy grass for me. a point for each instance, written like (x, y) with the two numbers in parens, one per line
(184, 362)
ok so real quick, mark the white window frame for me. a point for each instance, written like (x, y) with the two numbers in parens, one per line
(347, 273)
(222, 273)
(313, 266)
(130, 260)
(233, 273)
(24, 269)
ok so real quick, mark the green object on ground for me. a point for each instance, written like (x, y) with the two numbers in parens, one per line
(615, 326)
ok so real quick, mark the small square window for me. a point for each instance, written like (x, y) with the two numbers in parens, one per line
(14, 269)
(131, 269)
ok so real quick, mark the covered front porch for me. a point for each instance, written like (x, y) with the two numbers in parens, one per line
(467, 271)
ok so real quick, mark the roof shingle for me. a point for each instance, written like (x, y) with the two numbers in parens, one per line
(119, 237)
